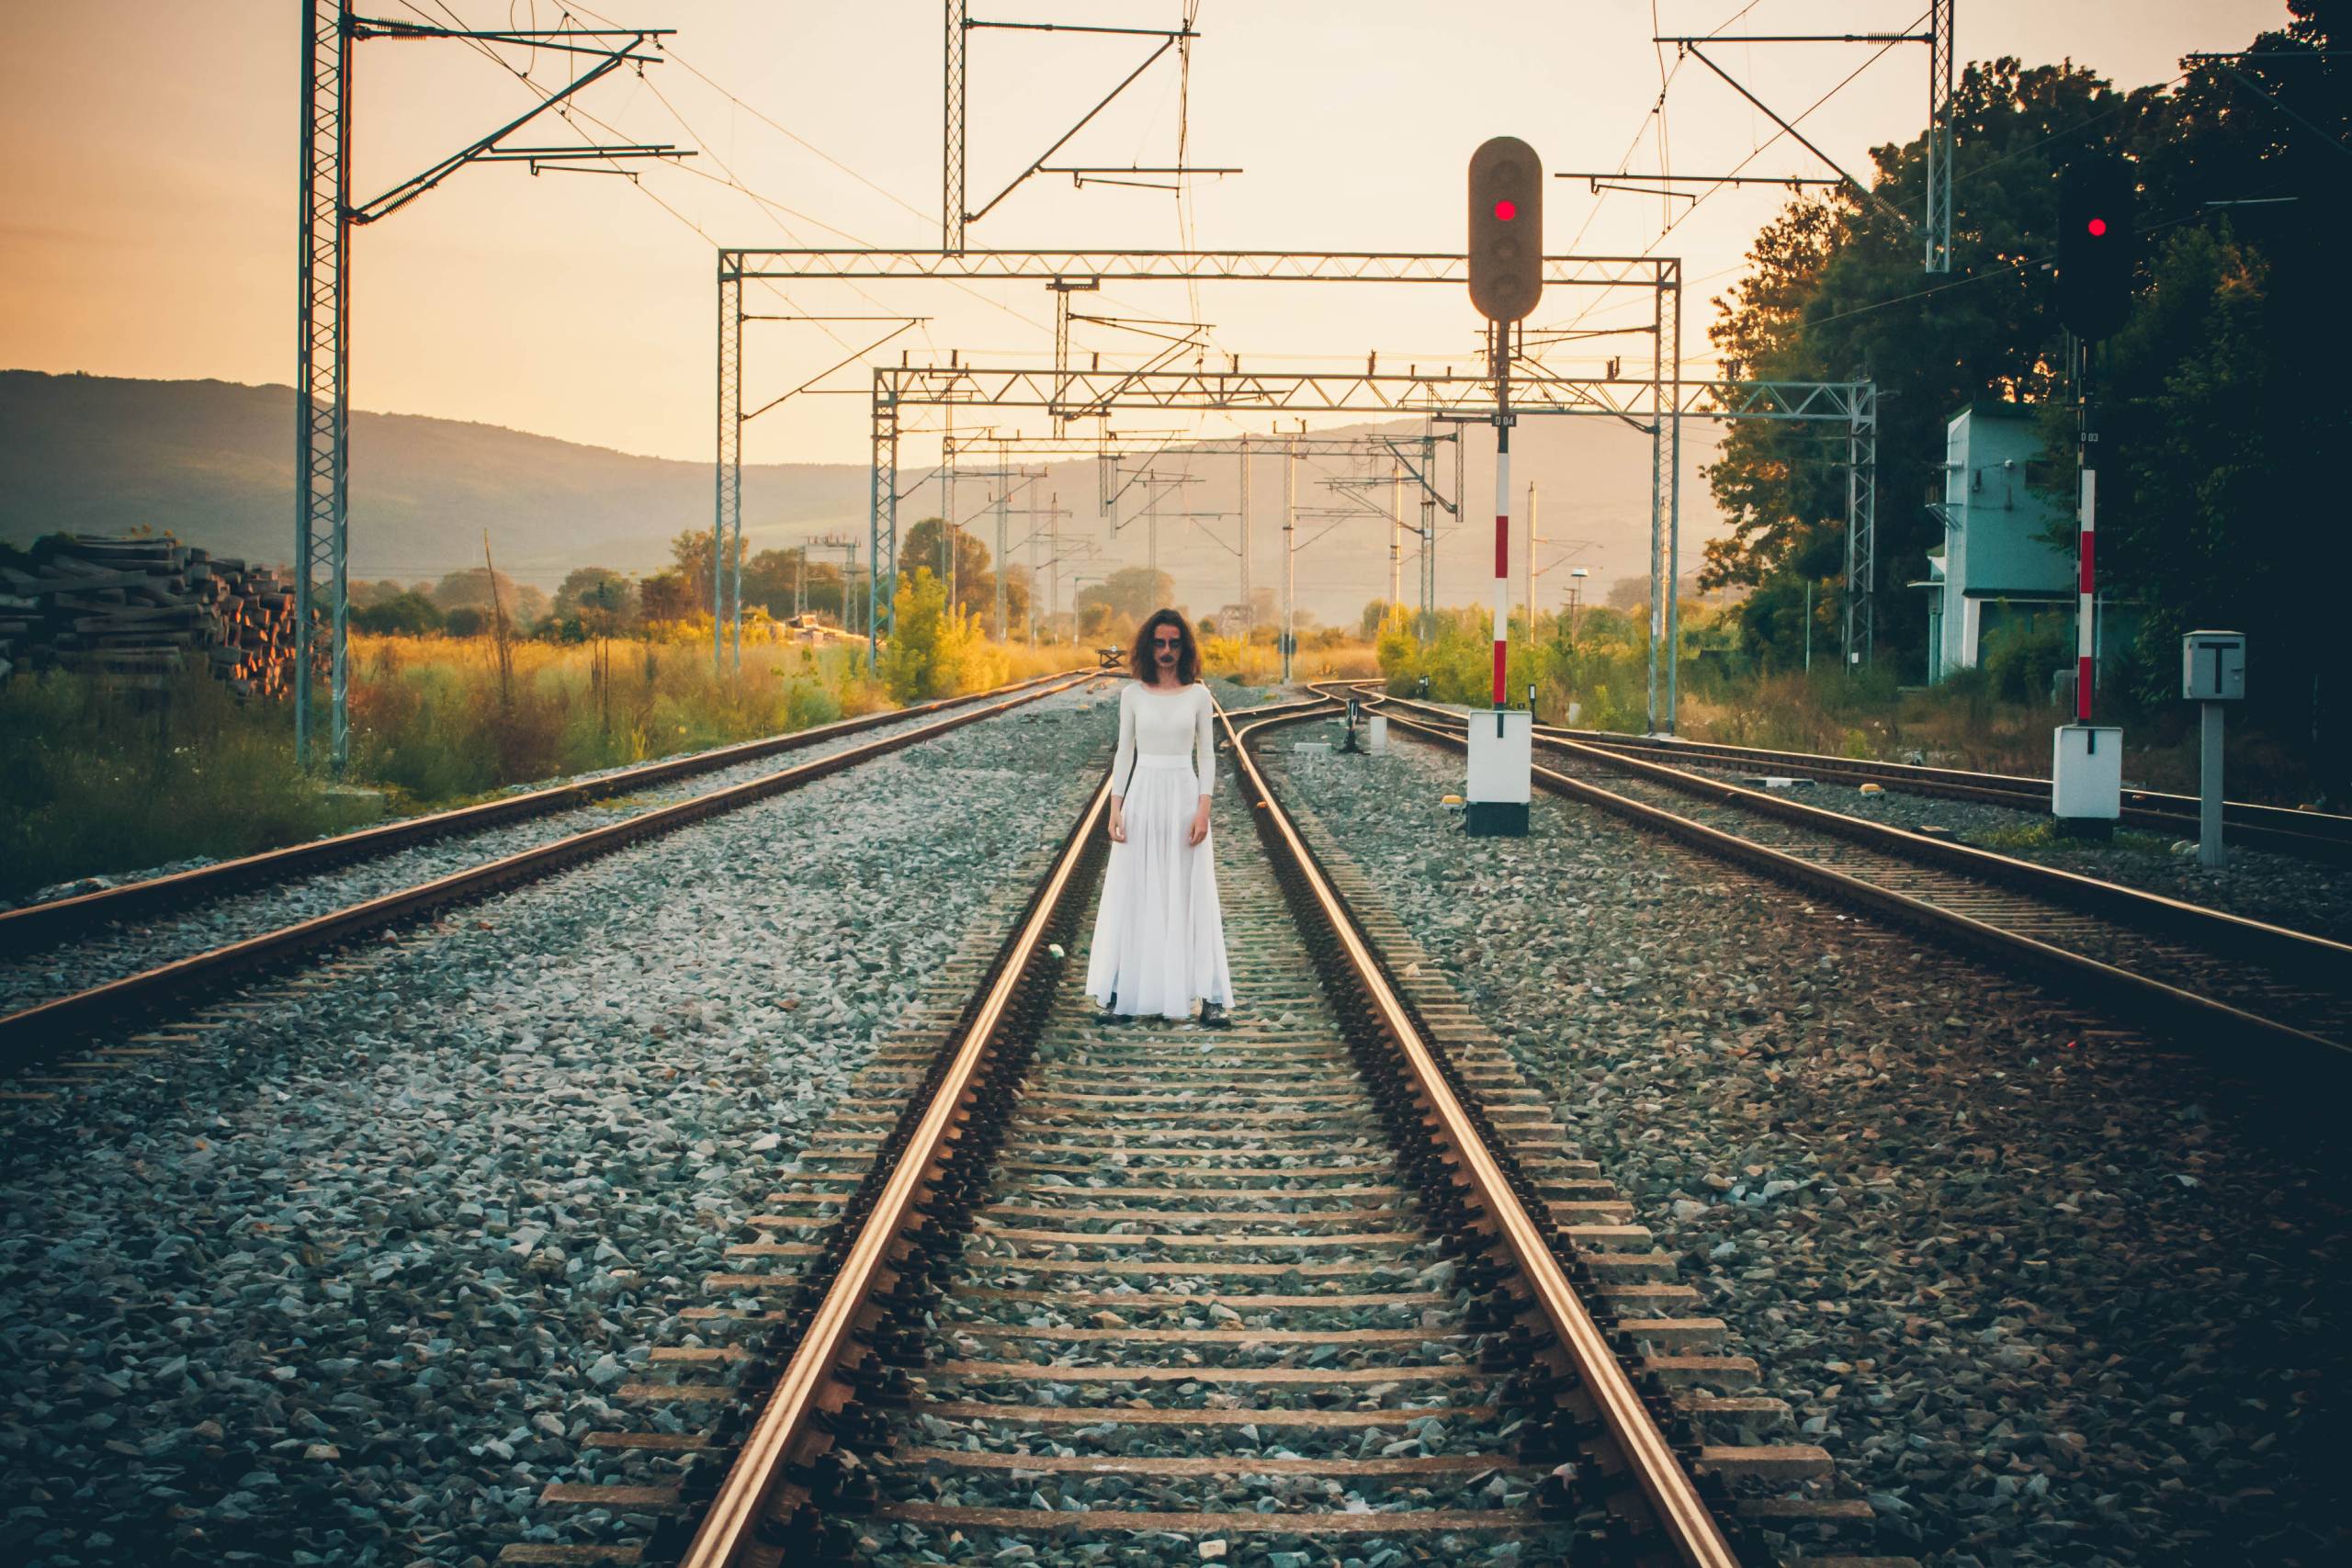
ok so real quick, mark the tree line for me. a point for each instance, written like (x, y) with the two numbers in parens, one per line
(2220, 407)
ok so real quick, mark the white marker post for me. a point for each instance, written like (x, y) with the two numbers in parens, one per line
(2212, 672)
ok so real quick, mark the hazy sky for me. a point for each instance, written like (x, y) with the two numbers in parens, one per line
(147, 214)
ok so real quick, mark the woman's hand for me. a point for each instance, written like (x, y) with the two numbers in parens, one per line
(1118, 823)
(1200, 824)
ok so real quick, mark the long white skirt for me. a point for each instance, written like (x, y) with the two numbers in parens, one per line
(1158, 933)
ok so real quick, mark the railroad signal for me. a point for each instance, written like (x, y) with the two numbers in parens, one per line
(2095, 203)
(1506, 229)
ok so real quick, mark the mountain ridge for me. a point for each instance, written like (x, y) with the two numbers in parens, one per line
(212, 462)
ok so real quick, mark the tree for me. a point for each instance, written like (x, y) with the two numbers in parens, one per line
(1835, 291)
(366, 595)
(785, 580)
(467, 620)
(929, 642)
(2219, 418)
(1132, 593)
(471, 588)
(608, 589)
(669, 597)
(402, 614)
(975, 585)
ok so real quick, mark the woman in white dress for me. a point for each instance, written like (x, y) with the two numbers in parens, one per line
(1158, 933)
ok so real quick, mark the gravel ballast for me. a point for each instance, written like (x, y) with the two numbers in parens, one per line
(2287, 890)
(109, 952)
(2047, 1294)
(346, 1278)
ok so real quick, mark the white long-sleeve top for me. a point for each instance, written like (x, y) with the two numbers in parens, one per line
(1157, 722)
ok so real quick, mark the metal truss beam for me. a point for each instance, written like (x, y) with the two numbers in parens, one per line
(1142, 267)
(1657, 406)
(1357, 391)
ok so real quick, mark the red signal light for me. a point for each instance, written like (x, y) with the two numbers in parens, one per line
(1506, 210)
(2097, 226)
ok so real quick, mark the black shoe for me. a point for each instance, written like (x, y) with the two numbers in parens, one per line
(1213, 1016)
(1106, 1014)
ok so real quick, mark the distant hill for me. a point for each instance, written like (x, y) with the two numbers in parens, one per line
(212, 462)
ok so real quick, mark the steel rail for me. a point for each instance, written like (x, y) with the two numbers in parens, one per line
(2318, 834)
(786, 1431)
(2300, 952)
(787, 1434)
(1689, 1527)
(54, 1023)
(35, 925)
(2155, 1004)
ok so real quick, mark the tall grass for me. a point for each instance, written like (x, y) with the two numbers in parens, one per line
(1987, 719)
(103, 778)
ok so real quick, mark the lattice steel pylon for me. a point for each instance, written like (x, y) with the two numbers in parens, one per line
(729, 523)
(326, 216)
(1939, 134)
(321, 409)
(1862, 523)
(951, 157)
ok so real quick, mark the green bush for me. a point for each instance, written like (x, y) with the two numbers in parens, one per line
(930, 641)
(2021, 659)
(406, 613)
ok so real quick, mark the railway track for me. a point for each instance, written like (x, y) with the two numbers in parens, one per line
(1324, 1286)
(2314, 835)
(36, 1033)
(2198, 976)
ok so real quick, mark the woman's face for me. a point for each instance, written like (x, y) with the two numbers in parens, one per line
(1167, 642)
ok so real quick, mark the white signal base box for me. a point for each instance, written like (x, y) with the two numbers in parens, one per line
(2087, 773)
(1500, 756)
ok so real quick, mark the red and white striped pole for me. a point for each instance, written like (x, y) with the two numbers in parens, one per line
(1502, 550)
(2086, 605)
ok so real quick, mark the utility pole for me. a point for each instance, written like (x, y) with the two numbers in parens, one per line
(848, 548)
(1290, 553)
(1396, 533)
(1249, 616)
(1534, 537)
(326, 217)
(1004, 501)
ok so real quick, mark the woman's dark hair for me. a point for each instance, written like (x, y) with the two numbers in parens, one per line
(1188, 653)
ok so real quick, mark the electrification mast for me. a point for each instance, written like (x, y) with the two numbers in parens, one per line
(326, 217)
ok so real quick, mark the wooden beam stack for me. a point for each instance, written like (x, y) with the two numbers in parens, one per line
(147, 608)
